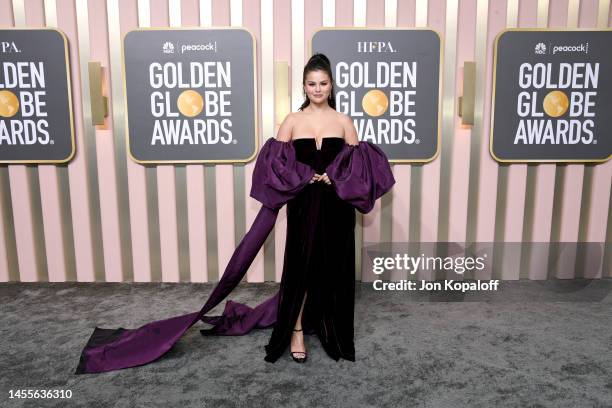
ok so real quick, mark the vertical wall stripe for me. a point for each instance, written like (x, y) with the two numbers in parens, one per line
(210, 192)
(29, 255)
(359, 13)
(429, 192)
(87, 239)
(297, 53)
(478, 139)
(390, 13)
(252, 21)
(374, 14)
(224, 174)
(570, 177)
(416, 175)
(239, 170)
(131, 177)
(263, 268)
(50, 185)
(62, 200)
(421, 13)
(400, 212)
(289, 18)
(511, 187)
(386, 202)
(400, 202)
(456, 230)
(166, 184)
(212, 260)
(607, 261)
(89, 143)
(102, 137)
(116, 196)
(225, 214)
(194, 186)
(155, 243)
(205, 13)
(540, 199)
(448, 145)
(359, 20)
(369, 13)
(144, 20)
(34, 17)
(268, 114)
(329, 13)
(25, 196)
(283, 22)
(144, 13)
(9, 267)
(239, 202)
(180, 182)
(52, 222)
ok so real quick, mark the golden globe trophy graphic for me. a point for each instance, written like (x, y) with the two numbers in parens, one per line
(190, 103)
(375, 102)
(556, 103)
(9, 104)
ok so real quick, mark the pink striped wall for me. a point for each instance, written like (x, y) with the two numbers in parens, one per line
(461, 196)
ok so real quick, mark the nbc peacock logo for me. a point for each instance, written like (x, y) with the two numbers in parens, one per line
(540, 48)
(168, 48)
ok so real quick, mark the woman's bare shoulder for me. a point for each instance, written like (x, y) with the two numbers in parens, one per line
(285, 130)
(350, 133)
(342, 115)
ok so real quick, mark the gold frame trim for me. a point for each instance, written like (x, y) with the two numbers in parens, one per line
(440, 76)
(69, 86)
(495, 44)
(127, 127)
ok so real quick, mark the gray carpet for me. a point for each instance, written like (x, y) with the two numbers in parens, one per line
(531, 344)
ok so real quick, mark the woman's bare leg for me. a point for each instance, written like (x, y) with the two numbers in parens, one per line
(297, 339)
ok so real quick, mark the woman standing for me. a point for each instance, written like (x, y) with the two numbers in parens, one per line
(317, 290)
(319, 169)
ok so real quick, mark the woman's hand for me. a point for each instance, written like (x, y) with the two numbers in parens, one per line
(320, 177)
(325, 178)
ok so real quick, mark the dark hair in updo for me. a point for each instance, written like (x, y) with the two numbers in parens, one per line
(319, 62)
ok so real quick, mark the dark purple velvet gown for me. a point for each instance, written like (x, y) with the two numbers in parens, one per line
(319, 261)
(319, 257)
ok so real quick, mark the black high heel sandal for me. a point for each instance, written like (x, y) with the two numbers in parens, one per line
(298, 359)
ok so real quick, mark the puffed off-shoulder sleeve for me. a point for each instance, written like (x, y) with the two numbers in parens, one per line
(360, 174)
(278, 176)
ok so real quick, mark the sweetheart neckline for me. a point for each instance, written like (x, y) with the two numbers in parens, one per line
(315, 139)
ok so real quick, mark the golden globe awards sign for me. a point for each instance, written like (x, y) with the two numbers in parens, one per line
(388, 82)
(552, 95)
(35, 101)
(190, 95)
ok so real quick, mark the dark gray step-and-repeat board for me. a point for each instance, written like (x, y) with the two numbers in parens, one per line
(191, 95)
(552, 96)
(388, 82)
(36, 124)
